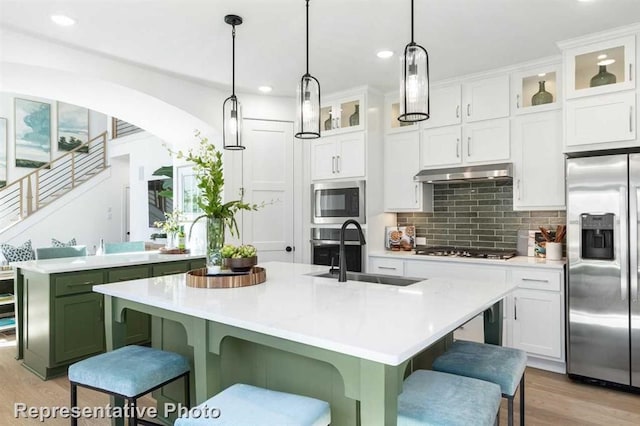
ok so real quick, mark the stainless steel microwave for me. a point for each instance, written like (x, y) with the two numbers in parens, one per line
(335, 202)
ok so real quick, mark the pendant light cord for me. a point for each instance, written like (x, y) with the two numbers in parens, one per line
(233, 60)
(411, 21)
(308, 37)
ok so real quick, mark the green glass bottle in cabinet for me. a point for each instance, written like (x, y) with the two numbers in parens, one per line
(603, 77)
(542, 96)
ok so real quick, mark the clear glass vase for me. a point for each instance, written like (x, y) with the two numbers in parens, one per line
(215, 241)
(171, 240)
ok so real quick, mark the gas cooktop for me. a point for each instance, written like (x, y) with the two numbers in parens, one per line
(465, 252)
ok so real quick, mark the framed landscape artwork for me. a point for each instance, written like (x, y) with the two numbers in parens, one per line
(32, 133)
(73, 126)
(3, 152)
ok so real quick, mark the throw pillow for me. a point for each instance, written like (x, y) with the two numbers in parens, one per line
(58, 243)
(18, 254)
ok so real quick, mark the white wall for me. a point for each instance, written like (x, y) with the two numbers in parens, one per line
(143, 153)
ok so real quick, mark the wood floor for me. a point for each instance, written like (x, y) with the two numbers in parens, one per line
(551, 399)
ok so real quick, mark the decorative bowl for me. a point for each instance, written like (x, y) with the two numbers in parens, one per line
(240, 264)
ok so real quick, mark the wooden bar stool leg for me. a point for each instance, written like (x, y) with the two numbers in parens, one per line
(134, 413)
(510, 414)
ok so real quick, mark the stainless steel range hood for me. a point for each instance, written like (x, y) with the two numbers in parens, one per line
(465, 173)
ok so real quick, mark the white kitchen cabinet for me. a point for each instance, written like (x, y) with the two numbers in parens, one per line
(342, 114)
(445, 107)
(386, 266)
(588, 60)
(526, 85)
(539, 180)
(338, 156)
(487, 141)
(482, 142)
(401, 163)
(603, 119)
(537, 313)
(486, 99)
(441, 147)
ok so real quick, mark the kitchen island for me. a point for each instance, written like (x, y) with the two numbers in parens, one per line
(60, 319)
(347, 343)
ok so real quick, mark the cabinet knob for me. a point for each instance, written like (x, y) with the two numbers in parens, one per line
(289, 249)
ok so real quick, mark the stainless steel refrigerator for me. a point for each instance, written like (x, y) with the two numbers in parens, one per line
(603, 321)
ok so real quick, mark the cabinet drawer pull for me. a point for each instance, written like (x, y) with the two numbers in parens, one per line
(393, 268)
(630, 72)
(535, 280)
(171, 272)
(338, 164)
(457, 111)
(631, 118)
(130, 278)
(515, 308)
(333, 164)
(518, 101)
(468, 146)
(468, 110)
(415, 193)
(80, 284)
(457, 147)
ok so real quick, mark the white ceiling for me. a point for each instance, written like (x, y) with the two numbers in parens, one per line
(190, 38)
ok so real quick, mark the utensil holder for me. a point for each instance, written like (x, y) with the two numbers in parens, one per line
(554, 251)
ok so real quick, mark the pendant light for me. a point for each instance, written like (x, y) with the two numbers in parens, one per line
(308, 101)
(414, 81)
(231, 108)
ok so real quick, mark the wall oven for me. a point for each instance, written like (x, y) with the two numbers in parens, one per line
(325, 248)
(335, 202)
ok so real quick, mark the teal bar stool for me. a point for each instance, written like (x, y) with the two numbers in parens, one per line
(246, 405)
(502, 366)
(129, 372)
(126, 247)
(434, 398)
(58, 252)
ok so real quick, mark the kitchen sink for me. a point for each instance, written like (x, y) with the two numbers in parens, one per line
(371, 278)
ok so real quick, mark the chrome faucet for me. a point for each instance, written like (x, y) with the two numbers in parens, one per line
(342, 257)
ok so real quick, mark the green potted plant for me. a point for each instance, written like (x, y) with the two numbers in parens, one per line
(207, 166)
(170, 226)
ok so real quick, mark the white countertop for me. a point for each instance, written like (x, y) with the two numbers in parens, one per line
(382, 323)
(514, 261)
(69, 264)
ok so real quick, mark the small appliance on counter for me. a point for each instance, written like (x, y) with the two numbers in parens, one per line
(400, 237)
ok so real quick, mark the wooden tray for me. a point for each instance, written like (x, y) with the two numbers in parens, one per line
(198, 278)
(164, 250)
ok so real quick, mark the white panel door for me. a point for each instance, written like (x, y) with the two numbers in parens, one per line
(536, 322)
(487, 141)
(441, 147)
(598, 119)
(445, 106)
(268, 177)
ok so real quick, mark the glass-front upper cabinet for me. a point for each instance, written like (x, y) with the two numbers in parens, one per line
(536, 89)
(344, 114)
(602, 67)
(392, 111)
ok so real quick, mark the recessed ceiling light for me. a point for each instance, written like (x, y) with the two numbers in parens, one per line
(265, 89)
(542, 74)
(606, 62)
(384, 54)
(63, 20)
(603, 56)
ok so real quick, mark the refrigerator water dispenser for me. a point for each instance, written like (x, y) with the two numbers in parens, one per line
(597, 236)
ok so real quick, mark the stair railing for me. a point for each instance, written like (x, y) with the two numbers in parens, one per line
(30, 193)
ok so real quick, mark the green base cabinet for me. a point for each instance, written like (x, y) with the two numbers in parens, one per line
(61, 320)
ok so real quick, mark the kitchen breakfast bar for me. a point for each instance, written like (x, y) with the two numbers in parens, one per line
(346, 343)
